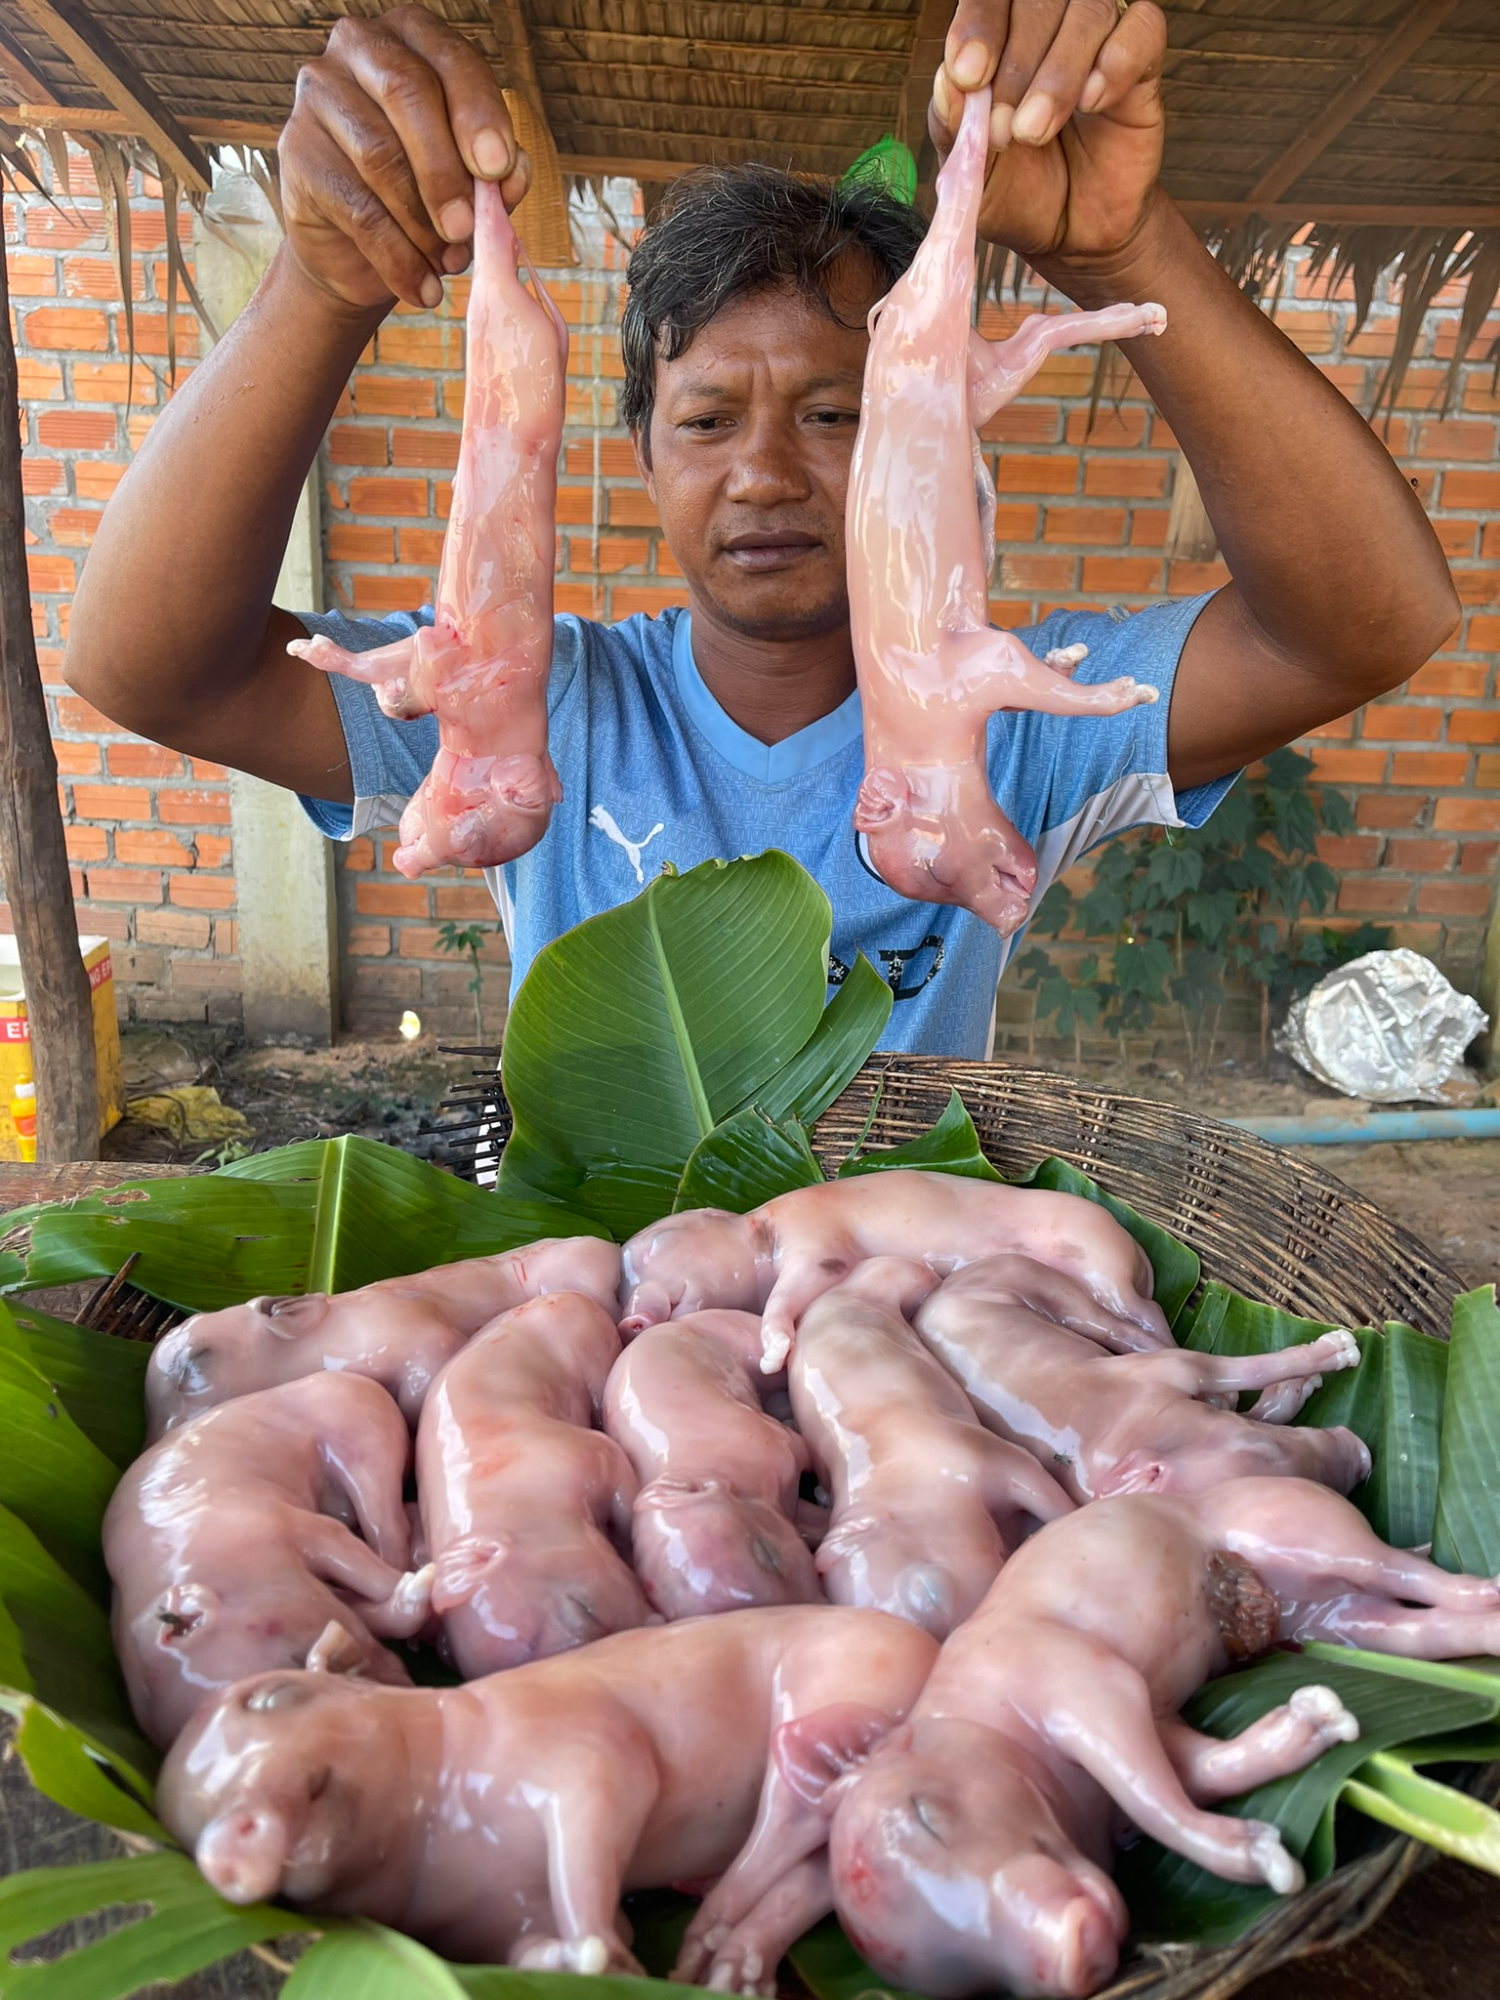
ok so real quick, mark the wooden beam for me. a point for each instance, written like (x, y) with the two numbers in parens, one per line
(33, 857)
(106, 65)
(1396, 215)
(119, 124)
(1382, 63)
(921, 64)
(18, 66)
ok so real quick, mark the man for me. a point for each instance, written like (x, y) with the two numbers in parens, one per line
(735, 726)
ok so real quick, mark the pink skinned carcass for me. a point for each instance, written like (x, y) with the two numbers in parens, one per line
(927, 1504)
(932, 670)
(782, 1256)
(502, 1820)
(715, 1526)
(1107, 1423)
(481, 667)
(971, 1849)
(525, 1507)
(264, 1533)
(398, 1331)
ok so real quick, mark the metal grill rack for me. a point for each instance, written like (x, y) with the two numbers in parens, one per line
(120, 1308)
(475, 1142)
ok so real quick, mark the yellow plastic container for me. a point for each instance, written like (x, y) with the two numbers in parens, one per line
(15, 1043)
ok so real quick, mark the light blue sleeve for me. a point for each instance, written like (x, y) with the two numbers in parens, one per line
(389, 759)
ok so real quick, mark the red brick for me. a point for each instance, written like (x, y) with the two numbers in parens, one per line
(1020, 571)
(87, 843)
(76, 760)
(422, 546)
(1188, 579)
(1456, 538)
(1454, 899)
(70, 328)
(631, 507)
(142, 760)
(615, 552)
(124, 885)
(1489, 546)
(348, 541)
(1421, 857)
(74, 527)
(1426, 938)
(577, 600)
(214, 975)
(616, 458)
(357, 444)
(1313, 332)
(98, 278)
(1473, 489)
(1429, 767)
(1385, 895)
(1111, 429)
(1477, 857)
(173, 927)
(1349, 850)
(1467, 815)
(1148, 527)
(1024, 423)
(1474, 725)
(388, 496)
(442, 498)
(408, 346)
(203, 892)
(204, 767)
(1389, 809)
(30, 277)
(1487, 775)
(49, 573)
(368, 941)
(99, 920)
(628, 599)
(37, 382)
(113, 382)
(1127, 575)
(1056, 473)
(437, 449)
(1340, 730)
(1385, 722)
(1125, 478)
(1467, 678)
(1349, 767)
(390, 899)
(187, 805)
(390, 593)
(668, 565)
(463, 902)
(152, 847)
(394, 396)
(151, 334)
(1456, 439)
(43, 475)
(1083, 524)
(96, 478)
(388, 982)
(1477, 586)
(112, 802)
(575, 506)
(213, 850)
(360, 854)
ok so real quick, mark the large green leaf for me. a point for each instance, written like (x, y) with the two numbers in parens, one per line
(51, 1475)
(1353, 1397)
(1224, 1322)
(951, 1146)
(635, 1033)
(79, 1772)
(1390, 1789)
(1400, 1498)
(182, 1927)
(100, 1380)
(337, 1213)
(745, 1161)
(1170, 1897)
(1175, 1266)
(365, 1961)
(831, 1969)
(1466, 1528)
(848, 1029)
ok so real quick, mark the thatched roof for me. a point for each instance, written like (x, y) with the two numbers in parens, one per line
(1377, 120)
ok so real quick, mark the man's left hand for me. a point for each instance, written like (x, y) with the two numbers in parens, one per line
(1076, 122)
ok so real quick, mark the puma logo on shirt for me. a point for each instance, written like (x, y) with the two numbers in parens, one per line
(603, 818)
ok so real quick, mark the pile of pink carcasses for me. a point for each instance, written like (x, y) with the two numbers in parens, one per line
(857, 1553)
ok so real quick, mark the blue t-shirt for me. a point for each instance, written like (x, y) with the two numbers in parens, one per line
(654, 770)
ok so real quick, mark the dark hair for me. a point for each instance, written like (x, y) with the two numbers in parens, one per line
(723, 232)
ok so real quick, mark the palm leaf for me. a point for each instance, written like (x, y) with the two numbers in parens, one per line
(951, 1146)
(1466, 1529)
(745, 1161)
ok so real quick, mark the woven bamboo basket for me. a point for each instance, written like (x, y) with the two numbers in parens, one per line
(1267, 1223)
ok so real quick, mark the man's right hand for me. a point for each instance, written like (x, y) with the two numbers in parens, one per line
(391, 126)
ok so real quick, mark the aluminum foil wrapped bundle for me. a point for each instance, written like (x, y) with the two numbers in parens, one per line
(1388, 1028)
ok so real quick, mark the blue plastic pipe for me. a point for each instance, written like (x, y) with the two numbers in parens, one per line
(1377, 1128)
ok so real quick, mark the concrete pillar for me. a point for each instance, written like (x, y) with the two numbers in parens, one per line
(1489, 982)
(284, 868)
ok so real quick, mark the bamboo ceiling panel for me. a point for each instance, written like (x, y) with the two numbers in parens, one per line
(676, 82)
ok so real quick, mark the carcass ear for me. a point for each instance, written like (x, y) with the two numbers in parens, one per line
(815, 1752)
(649, 1304)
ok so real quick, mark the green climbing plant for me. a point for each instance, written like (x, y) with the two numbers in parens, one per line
(1181, 916)
(467, 941)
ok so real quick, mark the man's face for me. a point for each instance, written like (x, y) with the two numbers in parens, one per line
(750, 443)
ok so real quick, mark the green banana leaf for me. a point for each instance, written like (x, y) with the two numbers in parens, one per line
(831, 1969)
(1175, 1266)
(1389, 1788)
(177, 1926)
(99, 1379)
(1466, 1528)
(323, 1215)
(951, 1146)
(1170, 1897)
(51, 1475)
(745, 1161)
(1354, 1397)
(637, 1032)
(849, 1027)
(1226, 1323)
(1400, 1498)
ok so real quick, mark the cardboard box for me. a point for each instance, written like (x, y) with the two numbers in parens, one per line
(15, 1036)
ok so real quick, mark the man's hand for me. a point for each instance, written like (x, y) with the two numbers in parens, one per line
(1077, 120)
(390, 129)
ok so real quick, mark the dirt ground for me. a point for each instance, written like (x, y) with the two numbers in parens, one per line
(1447, 1192)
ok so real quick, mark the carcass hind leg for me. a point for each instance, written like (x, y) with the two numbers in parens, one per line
(387, 669)
(999, 370)
(1285, 1740)
(1000, 672)
(747, 1958)
(1413, 1633)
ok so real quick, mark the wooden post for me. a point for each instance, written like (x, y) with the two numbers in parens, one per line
(33, 858)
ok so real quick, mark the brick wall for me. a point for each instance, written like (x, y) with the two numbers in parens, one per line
(1082, 520)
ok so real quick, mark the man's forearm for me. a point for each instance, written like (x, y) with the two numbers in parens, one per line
(171, 619)
(1332, 557)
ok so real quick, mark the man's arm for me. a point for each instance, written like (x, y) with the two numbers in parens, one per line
(174, 633)
(1340, 589)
